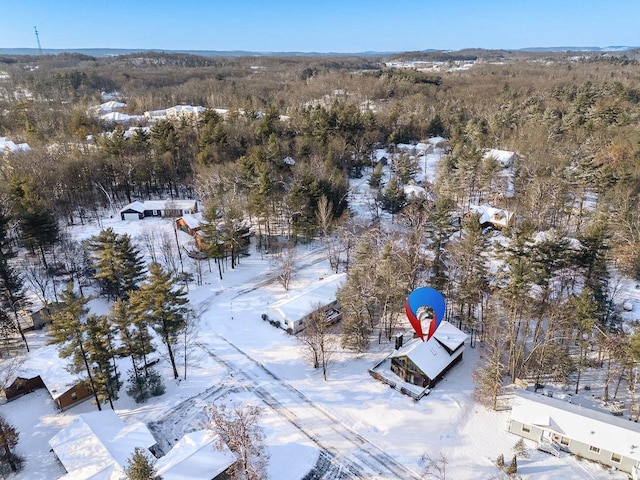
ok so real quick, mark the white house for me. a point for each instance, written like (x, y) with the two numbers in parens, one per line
(416, 367)
(293, 311)
(158, 208)
(98, 445)
(560, 426)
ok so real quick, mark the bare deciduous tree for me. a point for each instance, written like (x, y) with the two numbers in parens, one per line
(238, 427)
(319, 337)
(434, 467)
(285, 263)
(150, 242)
(170, 253)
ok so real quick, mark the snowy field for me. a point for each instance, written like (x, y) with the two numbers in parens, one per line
(241, 358)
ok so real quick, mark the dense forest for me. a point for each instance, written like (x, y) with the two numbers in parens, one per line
(294, 132)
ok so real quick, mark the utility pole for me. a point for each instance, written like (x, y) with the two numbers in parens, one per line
(38, 39)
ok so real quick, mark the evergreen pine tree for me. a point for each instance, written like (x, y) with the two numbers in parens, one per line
(68, 330)
(500, 461)
(393, 198)
(37, 221)
(520, 449)
(102, 353)
(376, 176)
(162, 306)
(12, 294)
(118, 264)
(136, 343)
(140, 466)
(512, 469)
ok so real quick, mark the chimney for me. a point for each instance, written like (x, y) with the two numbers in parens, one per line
(398, 341)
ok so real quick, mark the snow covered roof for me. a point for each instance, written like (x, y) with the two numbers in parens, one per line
(430, 356)
(505, 157)
(192, 221)
(52, 370)
(574, 243)
(303, 303)
(414, 190)
(195, 457)
(140, 207)
(381, 153)
(156, 113)
(132, 130)
(12, 147)
(488, 214)
(590, 426)
(120, 117)
(111, 105)
(135, 206)
(98, 444)
(184, 110)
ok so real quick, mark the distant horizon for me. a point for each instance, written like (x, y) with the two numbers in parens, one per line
(333, 26)
(116, 50)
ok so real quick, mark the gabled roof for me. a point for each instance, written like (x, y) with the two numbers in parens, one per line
(195, 457)
(192, 221)
(135, 206)
(590, 426)
(303, 303)
(97, 445)
(431, 357)
(52, 370)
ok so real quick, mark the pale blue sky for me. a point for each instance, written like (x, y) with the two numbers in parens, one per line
(319, 26)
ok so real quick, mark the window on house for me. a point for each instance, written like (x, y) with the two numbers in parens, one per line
(564, 441)
(74, 395)
(594, 449)
(615, 457)
(526, 428)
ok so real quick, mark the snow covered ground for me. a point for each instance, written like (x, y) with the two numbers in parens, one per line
(350, 426)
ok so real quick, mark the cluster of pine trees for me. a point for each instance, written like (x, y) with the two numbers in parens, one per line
(140, 309)
(281, 159)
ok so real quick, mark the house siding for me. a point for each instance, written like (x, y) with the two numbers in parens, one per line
(574, 447)
(68, 399)
(22, 386)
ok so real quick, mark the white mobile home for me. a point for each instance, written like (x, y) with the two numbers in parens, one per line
(557, 426)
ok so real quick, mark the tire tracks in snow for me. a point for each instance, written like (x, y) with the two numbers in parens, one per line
(344, 453)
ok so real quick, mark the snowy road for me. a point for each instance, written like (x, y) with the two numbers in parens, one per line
(344, 454)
